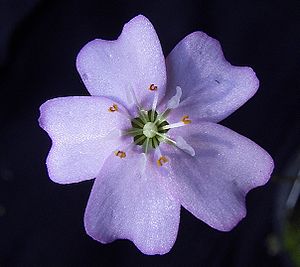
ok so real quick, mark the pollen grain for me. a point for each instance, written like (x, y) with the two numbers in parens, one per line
(113, 108)
(153, 87)
(162, 160)
(120, 154)
(185, 119)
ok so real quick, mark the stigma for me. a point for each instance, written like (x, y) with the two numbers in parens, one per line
(150, 129)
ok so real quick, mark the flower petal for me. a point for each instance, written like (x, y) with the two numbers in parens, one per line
(131, 63)
(213, 184)
(83, 134)
(131, 200)
(212, 88)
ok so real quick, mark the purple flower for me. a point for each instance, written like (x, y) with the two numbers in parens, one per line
(148, 134)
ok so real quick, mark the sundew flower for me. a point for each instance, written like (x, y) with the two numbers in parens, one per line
(148, 134)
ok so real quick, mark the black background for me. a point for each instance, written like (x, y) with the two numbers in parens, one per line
(41, 223)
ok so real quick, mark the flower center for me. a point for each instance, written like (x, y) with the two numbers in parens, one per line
(147, 129)
(150, 129)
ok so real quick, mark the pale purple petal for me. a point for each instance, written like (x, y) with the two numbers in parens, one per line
(211, 88)
(130, 200)
(213, 184)
(133, 62)
(83, 134)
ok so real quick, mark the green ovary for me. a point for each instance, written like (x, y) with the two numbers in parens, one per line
(148, 126)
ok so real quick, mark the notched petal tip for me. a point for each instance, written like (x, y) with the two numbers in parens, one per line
(231, 163)
(139, 19)
(248, 81)
(266, 173)
(82, 56)
(142, 246)
(128, 64)
(245, 72)
(44, 108)
(212, 87)
(83, 134)
(118, 209)
(202, 42)
(235, 221)
(41, 119)
(153, 250)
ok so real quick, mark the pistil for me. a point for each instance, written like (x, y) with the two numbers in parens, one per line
(150, 128)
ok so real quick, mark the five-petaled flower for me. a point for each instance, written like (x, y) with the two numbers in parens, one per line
(148, 134)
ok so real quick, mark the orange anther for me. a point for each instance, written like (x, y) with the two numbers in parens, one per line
(162, 160)
(153, 87)
(113, 108)
(185, 119)
(120, 154)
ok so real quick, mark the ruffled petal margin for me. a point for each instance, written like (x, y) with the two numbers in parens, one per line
(130, 200)
(213, 183)
(125, 68)
(211, 87)
(83, 133)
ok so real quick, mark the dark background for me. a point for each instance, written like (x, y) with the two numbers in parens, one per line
(41, 223)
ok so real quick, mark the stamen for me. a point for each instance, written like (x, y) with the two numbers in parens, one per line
(144, 115)
(155, 143)
(153, 87)
(120, 110)
(172, 103)
(137, 141)
(173, 125)
(185, 119)
(162, 160)
(146, 145)
(155, 100)
(160, 116)
(134, 131)
(113, 108)
(120, 154)
(136, 102)
(138, 123)
(165, 137)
